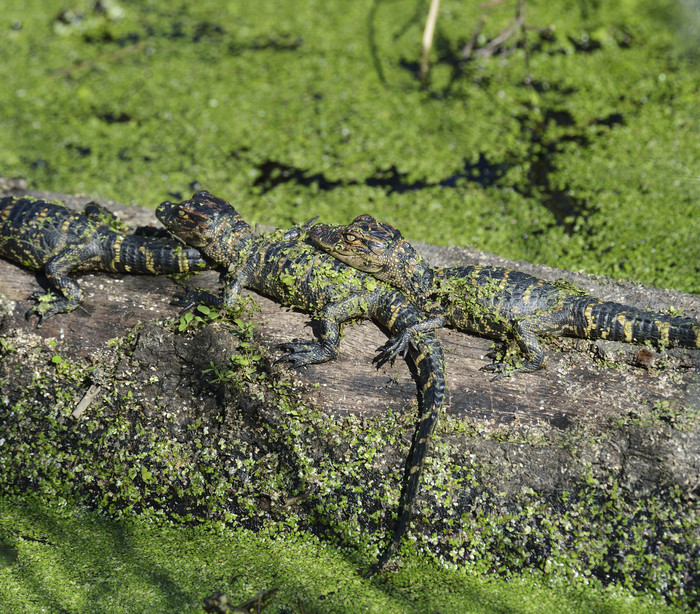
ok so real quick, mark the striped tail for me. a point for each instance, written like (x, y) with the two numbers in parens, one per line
(425, 354)
(142, 254)
(605, 320)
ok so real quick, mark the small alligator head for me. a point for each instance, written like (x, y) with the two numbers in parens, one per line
(364, 244)
(205, 222)
(377, 248)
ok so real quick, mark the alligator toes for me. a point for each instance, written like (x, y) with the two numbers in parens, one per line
(49, 305)
(187, 300)
(297, 345)
(502, 375)
(383, 357)
(295, 232)
(500, 368)
(305, 353)
(505, 370)
(294, 360)
(391, 349)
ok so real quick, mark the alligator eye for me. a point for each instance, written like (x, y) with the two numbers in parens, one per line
(351, 237)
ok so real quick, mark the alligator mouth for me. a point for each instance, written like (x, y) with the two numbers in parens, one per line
(327, 237)
(165, 212)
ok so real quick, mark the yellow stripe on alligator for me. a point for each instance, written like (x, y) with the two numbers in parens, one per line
(116, 247)
(428, 382)
(528, 292)
(504, 280)
(626, 324)
(65, 225)
(150, 261)
(394, 315)
(421, 357)
(590, 324)
(663, 328)
(182, 263)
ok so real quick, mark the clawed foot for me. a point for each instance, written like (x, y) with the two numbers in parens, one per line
(190, 298)
(505, 370)
(49, 305)
(392, 348)
(305, 353)
(296, 232)
(500, 368)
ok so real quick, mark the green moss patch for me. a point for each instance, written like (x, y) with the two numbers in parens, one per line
(196, 428)
(87, 563)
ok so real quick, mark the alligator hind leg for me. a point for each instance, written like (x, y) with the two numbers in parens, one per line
(56, 272)
(526, 337)
(399, 344)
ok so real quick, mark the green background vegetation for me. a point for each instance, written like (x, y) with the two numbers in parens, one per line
(579, 149)
(92, 564)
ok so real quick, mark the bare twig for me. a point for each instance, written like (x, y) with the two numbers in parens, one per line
(428, 39)
(513, 28)
(468, 48)
(84, 403)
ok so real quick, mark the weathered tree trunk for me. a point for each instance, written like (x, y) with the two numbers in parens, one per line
(576, 389)
(600, 408)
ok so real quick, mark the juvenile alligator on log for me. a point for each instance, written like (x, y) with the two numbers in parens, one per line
(49, 237)
(298, 275)
(492, 301)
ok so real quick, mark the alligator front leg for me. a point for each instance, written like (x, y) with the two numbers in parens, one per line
(66, 294)
(311, 352)
(328, 347)
(233, 281)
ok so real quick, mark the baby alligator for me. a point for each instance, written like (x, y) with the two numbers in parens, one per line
(48, 237)
(491, 301)
(298, 275)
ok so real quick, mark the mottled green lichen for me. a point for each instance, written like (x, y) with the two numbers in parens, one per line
(269, 461)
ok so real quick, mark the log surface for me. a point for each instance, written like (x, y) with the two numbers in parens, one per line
(577, 388)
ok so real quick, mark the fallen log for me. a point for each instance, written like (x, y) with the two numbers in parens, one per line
(602, 413)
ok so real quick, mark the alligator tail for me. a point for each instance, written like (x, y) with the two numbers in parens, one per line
(605, 320)
(426, 358)
(142, 254)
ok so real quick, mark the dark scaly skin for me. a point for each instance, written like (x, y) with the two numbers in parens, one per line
(298, 275)
(51, 238)
(491, 301)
